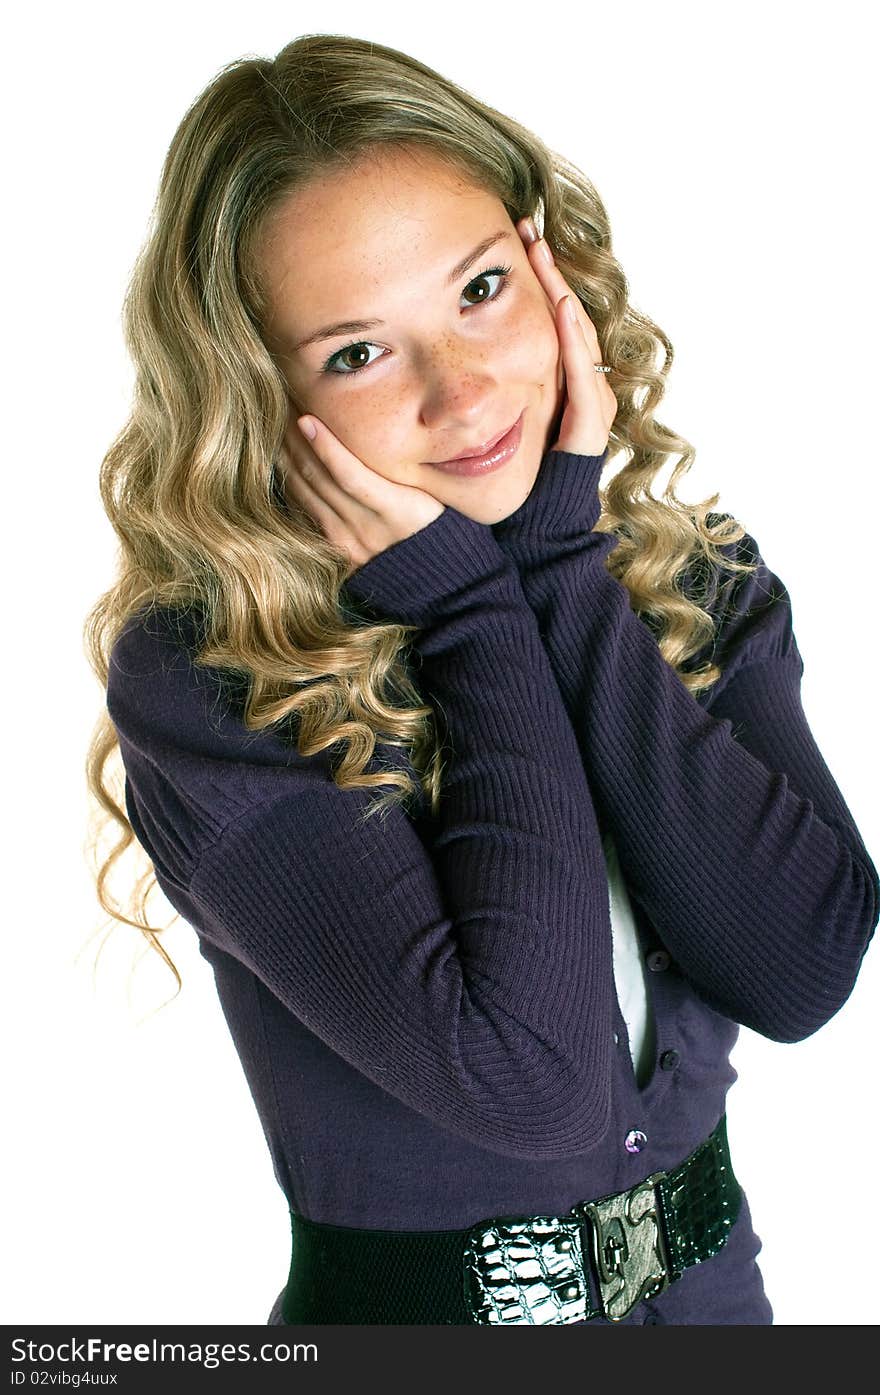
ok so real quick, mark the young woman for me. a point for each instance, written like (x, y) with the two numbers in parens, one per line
(367, 569)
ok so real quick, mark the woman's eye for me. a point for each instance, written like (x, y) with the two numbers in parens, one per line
(500, 271)
(363, 347)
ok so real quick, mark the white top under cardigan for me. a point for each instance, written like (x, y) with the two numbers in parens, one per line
(629, 967)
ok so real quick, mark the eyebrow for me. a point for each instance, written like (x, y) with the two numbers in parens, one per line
(356, 326)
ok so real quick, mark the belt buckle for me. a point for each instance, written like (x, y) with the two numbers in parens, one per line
(628, 1246)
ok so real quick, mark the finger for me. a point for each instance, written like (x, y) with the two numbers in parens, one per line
(592, 405)
(580, 370)
(555, 286)
(341, 478)
(301, 495)
(310, 488)
(302, 470)
(585, 422)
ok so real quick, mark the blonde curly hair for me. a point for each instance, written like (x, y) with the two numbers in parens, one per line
(189, 483)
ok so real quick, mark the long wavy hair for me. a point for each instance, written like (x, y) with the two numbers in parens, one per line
(190, 486)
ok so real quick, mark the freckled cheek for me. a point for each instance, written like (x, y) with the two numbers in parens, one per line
(363, 421)
(369, 424)
(534, 347)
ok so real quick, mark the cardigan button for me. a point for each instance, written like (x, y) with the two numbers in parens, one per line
(669, 1060)
(658, 960)
(635, 1141)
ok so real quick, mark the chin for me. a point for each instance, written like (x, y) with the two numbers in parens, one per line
(493, 510)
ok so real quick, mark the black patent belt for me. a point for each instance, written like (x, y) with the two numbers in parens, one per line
(530, 1269)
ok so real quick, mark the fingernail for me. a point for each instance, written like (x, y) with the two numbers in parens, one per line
(544, 251)
(307, 427)
(570, 310)
(530, 230)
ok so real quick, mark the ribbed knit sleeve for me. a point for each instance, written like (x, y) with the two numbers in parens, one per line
(468, 970)
(729, 827)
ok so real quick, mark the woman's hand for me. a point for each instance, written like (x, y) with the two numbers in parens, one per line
(590, 405)
(357, 510)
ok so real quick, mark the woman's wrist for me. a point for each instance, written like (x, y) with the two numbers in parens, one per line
(419, 577)
(563, 502)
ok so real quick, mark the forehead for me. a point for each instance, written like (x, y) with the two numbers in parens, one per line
(365, 230)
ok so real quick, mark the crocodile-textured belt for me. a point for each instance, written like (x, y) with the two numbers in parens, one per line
(521, 1269)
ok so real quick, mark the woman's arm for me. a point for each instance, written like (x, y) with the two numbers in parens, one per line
(730, 829)
(469, 975)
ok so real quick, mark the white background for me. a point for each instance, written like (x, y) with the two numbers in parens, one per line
(734, 149)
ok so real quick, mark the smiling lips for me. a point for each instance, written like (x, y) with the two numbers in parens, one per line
(481, 461)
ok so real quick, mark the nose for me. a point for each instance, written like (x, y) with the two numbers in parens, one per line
(459, 397)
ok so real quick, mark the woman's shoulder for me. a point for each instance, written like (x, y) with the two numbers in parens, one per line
(750, 609)
(184, 716)
(155, 684)
(193, 767)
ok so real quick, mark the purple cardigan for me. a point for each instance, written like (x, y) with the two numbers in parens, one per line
(424, 1008)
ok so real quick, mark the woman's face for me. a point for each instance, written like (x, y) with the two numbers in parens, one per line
(449, 363)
